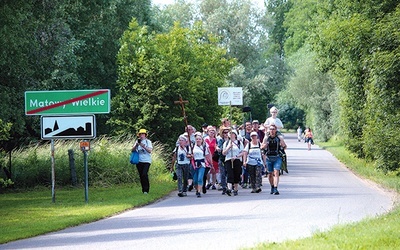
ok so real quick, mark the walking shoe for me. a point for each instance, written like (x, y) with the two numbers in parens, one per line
(213, 187)
(229, 192)
(244, 185)
(204, 190)
(276, 192)
(235, 192)
(184, 194)
(223, 191)
(272, 190)
(258, 190)
(198, 194)
(253, 191)
(209, 185)
(190, 188)
(180, 194)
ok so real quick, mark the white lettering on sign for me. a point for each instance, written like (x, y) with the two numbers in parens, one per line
(89, 102)
(40, 104)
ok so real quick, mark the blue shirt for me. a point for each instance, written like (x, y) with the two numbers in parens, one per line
(145, 156)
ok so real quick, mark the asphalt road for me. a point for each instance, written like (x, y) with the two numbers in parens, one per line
(317, 194)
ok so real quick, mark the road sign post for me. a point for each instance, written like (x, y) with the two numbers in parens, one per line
(57, 125)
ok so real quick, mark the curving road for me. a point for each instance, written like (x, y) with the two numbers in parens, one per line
(317, 194)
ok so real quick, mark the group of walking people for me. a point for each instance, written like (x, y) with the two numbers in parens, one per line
(229, 156)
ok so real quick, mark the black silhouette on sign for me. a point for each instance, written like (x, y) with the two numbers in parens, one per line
(70, 131)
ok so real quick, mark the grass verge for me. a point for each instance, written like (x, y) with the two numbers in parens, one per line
(372, 233)
(28, 214)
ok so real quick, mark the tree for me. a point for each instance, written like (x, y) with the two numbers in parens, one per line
(154, 69)
(242, 28)
(381, 132)
(52, 45)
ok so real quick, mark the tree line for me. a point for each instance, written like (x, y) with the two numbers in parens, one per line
(334, 60)
(344, 57)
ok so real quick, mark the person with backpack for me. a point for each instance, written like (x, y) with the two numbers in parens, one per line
(181, 162)
(272, 143)
(252, 161)
(201, 155)
(221, 139)
(233, 151)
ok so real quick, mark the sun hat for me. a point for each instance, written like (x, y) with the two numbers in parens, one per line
(253, 133)
(255, 121)
(142, 131)
(183, 137)
(233, 131)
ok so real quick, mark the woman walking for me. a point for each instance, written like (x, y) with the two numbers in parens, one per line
(182, 156)
(308, 135)
(253, 162)
(233, 151)
(211, 141)
(144, 147)
(201, 154)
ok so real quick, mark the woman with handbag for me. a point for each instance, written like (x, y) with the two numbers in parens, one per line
(144, 147)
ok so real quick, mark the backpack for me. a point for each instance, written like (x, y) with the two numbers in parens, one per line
(275, 150)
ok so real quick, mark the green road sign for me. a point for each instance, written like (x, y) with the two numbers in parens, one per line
(60, 102)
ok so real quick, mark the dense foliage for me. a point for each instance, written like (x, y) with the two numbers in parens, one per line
(155, 69)
(247, 32)
(53, 45)
(354, 47)
(335, 60)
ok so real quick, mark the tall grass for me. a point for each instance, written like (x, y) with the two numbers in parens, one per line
(108, 163)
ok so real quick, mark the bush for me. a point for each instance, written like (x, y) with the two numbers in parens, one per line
(108, 163)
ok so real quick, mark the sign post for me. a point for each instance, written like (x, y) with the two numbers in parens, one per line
(57, 125)
(53, 174)
(85, 146)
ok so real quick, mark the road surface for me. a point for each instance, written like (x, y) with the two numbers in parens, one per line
(318, 193)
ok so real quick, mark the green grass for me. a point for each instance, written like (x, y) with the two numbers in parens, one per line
(382, 232)
(36, 209)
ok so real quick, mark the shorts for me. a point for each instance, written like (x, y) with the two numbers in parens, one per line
(274, 163)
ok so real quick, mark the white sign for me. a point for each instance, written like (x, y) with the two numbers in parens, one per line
(230, 96)
(68, 127)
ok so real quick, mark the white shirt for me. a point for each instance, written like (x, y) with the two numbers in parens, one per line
(278, 123)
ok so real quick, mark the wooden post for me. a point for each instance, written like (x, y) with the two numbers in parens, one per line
(72, 168)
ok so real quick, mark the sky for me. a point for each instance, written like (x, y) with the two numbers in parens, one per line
(161, 2)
